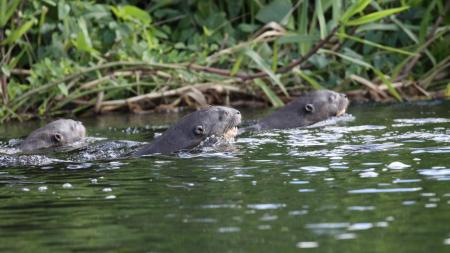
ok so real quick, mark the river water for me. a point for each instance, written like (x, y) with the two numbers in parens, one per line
(376, 180)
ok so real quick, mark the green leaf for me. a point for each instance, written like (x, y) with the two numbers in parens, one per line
(309, 79)
(297, 38)
(303, 27)
(130, 12)
(16, 34)
(6, 70)
(265, 67)
(237, 65)
(375, 16)
(371, 43)
(276, 11)
(207, 32)
(63, 88)
(3, 8)
(408, 31)
(7, 10)
(348, 58)
(276, 47)
(337, 10)
(321, 18)
(426, 19)
(274, 99)
(83, 40)
(355, 8)
(63, 10)
(14, 60)
(152, 41)
(389, 84)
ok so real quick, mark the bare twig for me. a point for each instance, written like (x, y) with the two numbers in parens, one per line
(21, 72)
(369, 85)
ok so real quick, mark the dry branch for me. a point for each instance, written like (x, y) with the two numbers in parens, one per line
(115, 104)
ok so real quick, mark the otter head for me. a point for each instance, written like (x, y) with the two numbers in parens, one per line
(219, 121)
(57, 133)
(308, 109)
(191, 130)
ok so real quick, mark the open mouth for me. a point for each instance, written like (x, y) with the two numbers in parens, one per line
(341, 112)
(230, 134)
(343, 107)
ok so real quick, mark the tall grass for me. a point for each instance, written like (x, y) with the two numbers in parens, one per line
(60, 57)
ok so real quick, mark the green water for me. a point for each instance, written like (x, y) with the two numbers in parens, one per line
(321, 189)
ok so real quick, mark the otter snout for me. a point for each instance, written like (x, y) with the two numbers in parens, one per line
(80, 130)
(343, 104)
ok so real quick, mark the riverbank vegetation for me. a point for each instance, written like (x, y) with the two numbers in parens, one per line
(73, 57)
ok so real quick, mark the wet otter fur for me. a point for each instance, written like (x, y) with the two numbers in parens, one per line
(56, 133)
(191, 130)
(305, 110)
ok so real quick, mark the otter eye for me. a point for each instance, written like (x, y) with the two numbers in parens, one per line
(199, 130)
(57, 138)
(309, 107)
(331, 98)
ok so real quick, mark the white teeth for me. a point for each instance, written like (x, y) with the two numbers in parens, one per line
(231, 133)
(341, 112)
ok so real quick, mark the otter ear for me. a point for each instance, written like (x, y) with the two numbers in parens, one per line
(57, 137)
(309, 108)
(198, 130)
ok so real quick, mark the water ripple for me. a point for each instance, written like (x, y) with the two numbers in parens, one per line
(265, 206)
(421, 121)
(374, 190)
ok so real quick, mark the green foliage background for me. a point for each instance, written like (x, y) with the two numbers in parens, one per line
(60, 57)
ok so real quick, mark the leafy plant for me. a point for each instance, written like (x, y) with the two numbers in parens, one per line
(59, 57)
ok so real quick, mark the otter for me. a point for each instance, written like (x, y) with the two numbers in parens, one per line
(192, 129)
(56, 133)
(305, 110)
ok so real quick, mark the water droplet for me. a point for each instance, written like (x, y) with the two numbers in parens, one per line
(361, 208)
(264, 227)
(306, 190)
(67, 186)
(368, 174)
(42, 188)
(265, 206)
(398, 166)
(382, 224)
(430, 205)
(307, 245)
(345, 236)
(360, 226)
(373, 190)
(228, 230)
